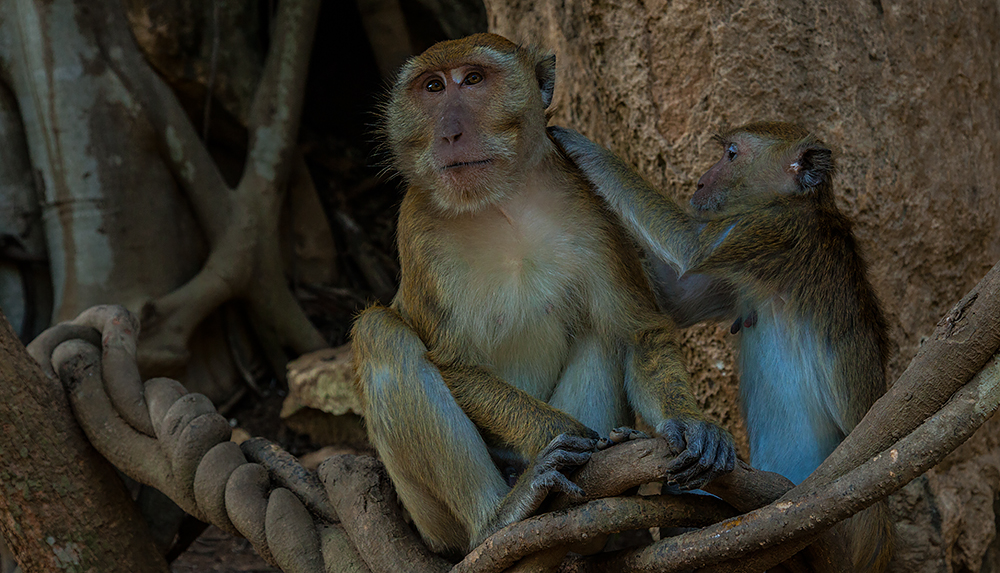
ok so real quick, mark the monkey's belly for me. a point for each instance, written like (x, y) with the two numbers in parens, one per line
(784, 397)
(532, 358)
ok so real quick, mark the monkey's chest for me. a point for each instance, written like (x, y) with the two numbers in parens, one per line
(511, 292)
(516, 306)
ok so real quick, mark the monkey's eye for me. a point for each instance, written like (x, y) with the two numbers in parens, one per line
(731, 151)
(473, 78)
(434, 85)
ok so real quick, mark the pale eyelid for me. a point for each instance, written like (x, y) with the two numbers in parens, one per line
(425, 79)
(732, 151)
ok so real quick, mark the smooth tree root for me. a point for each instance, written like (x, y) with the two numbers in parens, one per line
(241, 223)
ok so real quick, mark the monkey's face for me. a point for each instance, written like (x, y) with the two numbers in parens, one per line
(468, 128)
(760, 161)
(724, 185)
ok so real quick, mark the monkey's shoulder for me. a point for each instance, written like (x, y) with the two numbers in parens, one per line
(778, 232)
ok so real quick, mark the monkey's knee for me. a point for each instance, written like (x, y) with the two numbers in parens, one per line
(381, 339)
(393, 372)
(377, 327)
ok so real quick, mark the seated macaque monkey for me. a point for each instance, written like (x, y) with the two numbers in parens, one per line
(768, 247)
(524, 326)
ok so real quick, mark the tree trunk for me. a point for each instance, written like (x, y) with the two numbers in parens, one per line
(62, 505)
(907, 93)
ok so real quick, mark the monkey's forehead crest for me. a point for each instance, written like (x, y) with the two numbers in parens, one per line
(450, 49)
(456, 52)
(774, 130)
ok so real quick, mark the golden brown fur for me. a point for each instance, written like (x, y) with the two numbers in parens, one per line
(524, 326)
(813, 341)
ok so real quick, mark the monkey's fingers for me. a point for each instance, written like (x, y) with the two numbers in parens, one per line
(556, 482)
(564, 453)
(697, 444)
(672, 430)
(620, 436)
(690, 449)
(569, 442)
(560, 460)
(571, 141)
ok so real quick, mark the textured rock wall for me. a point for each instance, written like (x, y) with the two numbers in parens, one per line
(907, 95)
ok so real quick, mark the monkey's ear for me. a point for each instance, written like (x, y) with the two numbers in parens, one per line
(813, 167)
(545, 73)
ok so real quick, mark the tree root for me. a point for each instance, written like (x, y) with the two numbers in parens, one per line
(241, 224)
(281, 509)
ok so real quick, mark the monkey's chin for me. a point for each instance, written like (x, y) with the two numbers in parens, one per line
(471, 188)
(468, 198)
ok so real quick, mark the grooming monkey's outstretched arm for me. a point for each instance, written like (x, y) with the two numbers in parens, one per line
(687, 243)
(653, 218)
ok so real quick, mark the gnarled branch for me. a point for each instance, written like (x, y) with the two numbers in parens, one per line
(190, 459)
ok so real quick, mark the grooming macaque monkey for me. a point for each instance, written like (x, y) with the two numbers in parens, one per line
(813, 346)
(524, 326)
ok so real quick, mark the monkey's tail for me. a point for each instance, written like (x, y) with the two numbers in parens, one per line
(873, 538)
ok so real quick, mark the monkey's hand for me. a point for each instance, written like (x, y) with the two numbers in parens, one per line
(574, 144)
(545, 475)
(704, 451)
(605, 170)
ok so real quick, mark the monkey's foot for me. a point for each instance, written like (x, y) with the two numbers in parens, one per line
(704, 451)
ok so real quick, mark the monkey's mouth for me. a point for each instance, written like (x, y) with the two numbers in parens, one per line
(460, 164)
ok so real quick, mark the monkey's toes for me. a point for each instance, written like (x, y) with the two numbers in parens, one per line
(708, 453)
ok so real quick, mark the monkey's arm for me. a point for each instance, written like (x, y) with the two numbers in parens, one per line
(505, 415)
(659, 389)
(654, 219)
(685, 242)
(691, 298)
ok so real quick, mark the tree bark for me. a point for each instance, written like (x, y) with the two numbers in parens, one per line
(62, 505)
(906, 93)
